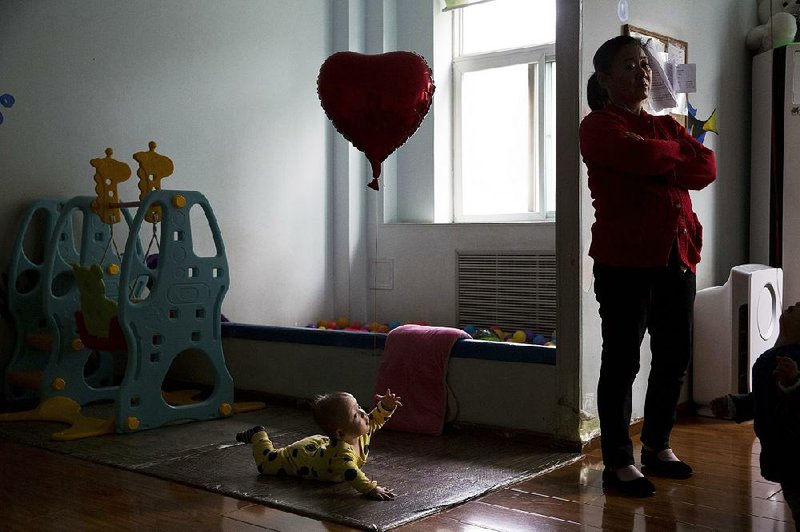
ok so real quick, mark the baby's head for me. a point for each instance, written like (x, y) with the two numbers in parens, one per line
(339, 415)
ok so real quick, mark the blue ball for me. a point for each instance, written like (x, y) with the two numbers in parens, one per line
(7, 101)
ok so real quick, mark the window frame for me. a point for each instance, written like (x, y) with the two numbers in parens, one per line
(536, 57)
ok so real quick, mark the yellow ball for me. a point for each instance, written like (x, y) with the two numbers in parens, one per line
(519, 336)
(179, 201)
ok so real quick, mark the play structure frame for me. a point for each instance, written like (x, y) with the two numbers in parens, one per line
(165, 307)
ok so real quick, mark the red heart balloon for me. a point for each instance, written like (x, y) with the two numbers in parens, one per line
(376, 101)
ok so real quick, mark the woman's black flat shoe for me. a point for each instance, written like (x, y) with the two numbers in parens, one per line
(665, 468)
(640, 487)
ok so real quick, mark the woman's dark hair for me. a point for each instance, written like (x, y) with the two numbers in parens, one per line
(603, 60)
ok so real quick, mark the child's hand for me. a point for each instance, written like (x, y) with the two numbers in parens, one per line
(389, 401)
(381, 494)
(719, 407)
(786, 371)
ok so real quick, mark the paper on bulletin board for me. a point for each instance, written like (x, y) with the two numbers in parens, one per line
(675, 53)
(669, 76)
(662, 97)
(685, 79)
(684, 75)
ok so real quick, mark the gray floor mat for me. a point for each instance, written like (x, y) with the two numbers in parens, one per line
(428, 473)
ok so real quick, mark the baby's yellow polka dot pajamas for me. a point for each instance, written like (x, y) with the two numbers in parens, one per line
(320, 457)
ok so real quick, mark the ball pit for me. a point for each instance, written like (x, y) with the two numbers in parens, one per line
(491, 334)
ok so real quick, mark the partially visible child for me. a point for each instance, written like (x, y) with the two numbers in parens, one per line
(734, 406)
(774, 405)
(776, 398)
(336, 456)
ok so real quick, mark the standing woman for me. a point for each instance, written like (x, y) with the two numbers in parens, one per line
(646, 243)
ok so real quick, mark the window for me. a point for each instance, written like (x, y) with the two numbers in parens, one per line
(504, 111)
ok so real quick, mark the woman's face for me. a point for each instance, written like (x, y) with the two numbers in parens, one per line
(628, 82)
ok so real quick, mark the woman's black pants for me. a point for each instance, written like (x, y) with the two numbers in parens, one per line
(632, 301)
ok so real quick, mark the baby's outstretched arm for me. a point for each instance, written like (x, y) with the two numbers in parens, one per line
(389, 400)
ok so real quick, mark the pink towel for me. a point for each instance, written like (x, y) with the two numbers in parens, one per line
(414, 366)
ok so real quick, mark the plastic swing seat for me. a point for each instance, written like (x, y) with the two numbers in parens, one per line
(115, 342)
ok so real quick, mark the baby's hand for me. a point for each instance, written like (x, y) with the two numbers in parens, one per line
(381, 494)
(389, 400)
(786, 371)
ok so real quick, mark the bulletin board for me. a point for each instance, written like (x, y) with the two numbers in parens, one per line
(677, 52)
(677, 49)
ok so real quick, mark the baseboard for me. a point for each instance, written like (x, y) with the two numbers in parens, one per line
(686, 409)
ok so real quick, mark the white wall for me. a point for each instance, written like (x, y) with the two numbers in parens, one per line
(424, 259)
(510, 395)
(423, 253)
(226, 89)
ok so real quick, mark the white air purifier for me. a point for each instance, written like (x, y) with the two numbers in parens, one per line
(733, 324)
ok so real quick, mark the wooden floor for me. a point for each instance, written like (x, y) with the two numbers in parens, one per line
(42, 490)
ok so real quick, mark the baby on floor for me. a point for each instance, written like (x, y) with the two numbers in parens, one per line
(336, 456)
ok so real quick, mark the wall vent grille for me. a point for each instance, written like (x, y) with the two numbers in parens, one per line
(510, 290)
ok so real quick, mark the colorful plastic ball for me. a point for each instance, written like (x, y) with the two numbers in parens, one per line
(539, 339)
(394, 324)
(485, 334)
(312, 326)
(469, 329)
(7, 101)
(341, 323)
(518, 336)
